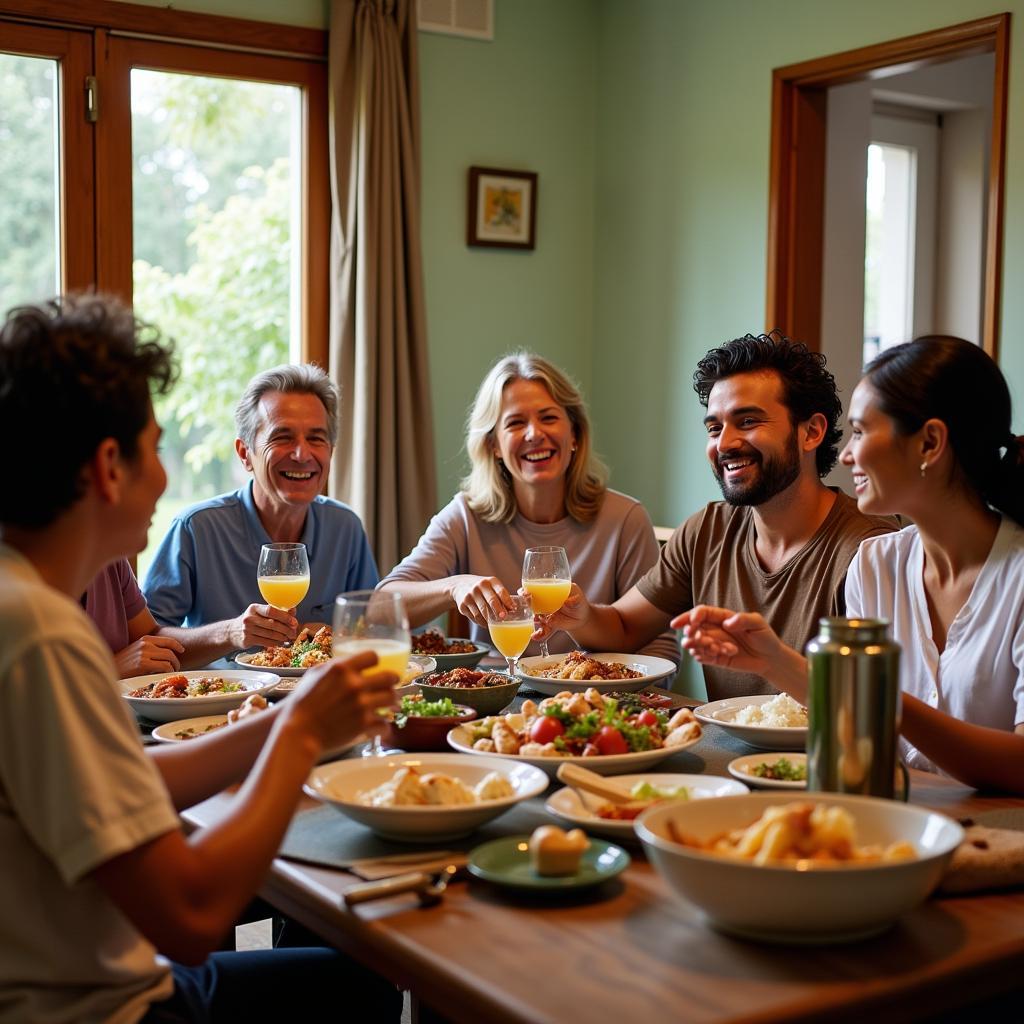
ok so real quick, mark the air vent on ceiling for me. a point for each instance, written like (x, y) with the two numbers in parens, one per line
(471, 18)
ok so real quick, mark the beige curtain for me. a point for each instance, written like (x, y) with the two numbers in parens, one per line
(384, 462)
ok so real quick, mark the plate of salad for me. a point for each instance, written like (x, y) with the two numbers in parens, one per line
(589, 728)
(771, 771)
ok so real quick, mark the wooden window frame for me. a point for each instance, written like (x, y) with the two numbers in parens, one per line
(96, 237)
(796, 191)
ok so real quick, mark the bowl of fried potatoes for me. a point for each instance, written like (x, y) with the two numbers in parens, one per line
(821, 867)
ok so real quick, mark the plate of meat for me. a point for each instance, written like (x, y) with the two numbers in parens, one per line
(578, 671)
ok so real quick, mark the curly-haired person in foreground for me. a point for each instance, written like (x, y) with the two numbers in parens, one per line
(781, 541)
(98, 878)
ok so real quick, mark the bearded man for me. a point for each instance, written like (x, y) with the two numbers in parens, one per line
(781, 541)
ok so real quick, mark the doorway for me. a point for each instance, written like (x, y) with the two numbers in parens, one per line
(800, 139)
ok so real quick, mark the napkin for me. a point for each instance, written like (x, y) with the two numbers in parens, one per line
(991, 855)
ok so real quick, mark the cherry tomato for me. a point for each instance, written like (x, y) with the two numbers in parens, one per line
(610, 741)
(648, 718)
(545, 729)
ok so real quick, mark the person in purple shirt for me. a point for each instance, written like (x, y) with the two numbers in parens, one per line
(116, 606)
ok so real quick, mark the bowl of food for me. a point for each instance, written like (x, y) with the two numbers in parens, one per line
(168, 696)
(305, 651)
(448, 652)
(765, 721)
(821, 867)
(422, 724)
(486, 692)
(586, 728)
(426, 797)
(578, 671)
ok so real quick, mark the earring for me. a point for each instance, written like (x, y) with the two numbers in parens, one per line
(924, 468)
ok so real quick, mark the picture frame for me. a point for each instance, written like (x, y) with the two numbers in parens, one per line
(502, 208)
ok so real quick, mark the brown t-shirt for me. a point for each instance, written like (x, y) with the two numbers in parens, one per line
(710, 559)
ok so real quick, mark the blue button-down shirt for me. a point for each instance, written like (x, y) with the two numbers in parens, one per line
(205, 568)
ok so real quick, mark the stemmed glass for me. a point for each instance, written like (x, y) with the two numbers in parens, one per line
(283, 575)
(547, 579)
(511, 630)
(373, 620)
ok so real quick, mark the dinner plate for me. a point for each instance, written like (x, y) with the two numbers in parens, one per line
(169, 709)
(722, 713)
(604, 764)
(740, 768)
(419, 665)
(167, 732)
(170, 732)
(653, 670)
(578, 808)
(507, 861)
(245, 660)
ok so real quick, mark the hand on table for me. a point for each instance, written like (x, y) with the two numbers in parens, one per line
(742, 641)
(262, 625)
(148, 654)
(473, 595)
(338, 701)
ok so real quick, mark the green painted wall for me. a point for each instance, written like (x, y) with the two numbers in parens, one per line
(524, 101)
(684, 91)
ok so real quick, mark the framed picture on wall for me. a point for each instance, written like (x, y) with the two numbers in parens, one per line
(502, 208)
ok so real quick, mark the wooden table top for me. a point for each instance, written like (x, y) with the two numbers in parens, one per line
(632, 952)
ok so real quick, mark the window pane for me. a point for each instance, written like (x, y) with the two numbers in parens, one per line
(216, 203)
(29, 193)
(889, 247)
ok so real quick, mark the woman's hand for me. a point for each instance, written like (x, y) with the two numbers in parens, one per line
(339, 700)
(742, 641)
(473, 595)
(573, 614)
(147, 655)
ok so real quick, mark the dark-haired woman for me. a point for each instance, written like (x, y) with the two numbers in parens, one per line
(931, 441)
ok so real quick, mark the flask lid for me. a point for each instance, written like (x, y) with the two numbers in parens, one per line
(836, 627)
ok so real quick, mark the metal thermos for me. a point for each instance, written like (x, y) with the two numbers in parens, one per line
(853, 707)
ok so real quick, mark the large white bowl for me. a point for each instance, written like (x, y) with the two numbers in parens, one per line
(723, 712)
(604, 764)
(339, 784)
(781, 903)
(170, 709)
(578, 808)
(654, 671)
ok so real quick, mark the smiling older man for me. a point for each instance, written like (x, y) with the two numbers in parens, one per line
(204, 573)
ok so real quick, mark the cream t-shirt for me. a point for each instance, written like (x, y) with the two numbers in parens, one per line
(76, 789)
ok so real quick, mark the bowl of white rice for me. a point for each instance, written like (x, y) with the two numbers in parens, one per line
(765, 721)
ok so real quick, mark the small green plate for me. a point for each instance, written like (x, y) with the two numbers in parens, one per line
(507, 862)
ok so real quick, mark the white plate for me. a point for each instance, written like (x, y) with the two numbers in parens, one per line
(419, 665)
(653, 669)
(169, 709)
(245, 660)
(577, 808)
(604, 764)
(340, 783)
(722, 713)
(740, 769)
(165, 733)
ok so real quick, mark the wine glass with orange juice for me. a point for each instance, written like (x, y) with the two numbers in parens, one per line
(511, 629)
(373, 620)
(547, 579)
(283, 575)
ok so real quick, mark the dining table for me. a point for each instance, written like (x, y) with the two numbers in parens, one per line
(630, 951)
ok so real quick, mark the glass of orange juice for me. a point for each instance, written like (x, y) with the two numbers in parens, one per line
(373, 620)
(283, 575)
(547, 579)
(511, 630)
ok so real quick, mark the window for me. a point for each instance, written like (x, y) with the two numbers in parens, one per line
(889, 250)
(199, 193)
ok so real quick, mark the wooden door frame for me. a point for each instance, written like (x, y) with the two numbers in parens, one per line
(796, 191)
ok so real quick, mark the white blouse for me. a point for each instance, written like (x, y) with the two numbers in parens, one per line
(979, 676)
